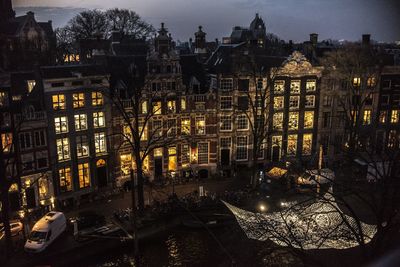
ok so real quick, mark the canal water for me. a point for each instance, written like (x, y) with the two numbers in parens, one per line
(188, 247)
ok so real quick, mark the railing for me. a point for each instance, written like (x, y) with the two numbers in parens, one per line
(32, 116)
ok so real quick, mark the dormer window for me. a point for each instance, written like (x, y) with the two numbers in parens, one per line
(30, 84)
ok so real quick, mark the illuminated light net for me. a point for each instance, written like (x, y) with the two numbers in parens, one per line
(320, 225)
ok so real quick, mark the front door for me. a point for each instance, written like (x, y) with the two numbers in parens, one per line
(276, 153)
(158, 167)
(225, 157)
(102, 176)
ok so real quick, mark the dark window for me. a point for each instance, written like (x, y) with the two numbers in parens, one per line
(57, 84)
(386, 83)
(327, 119)
(42, 163)
(96, 81)
(243, 85)
(243, 102)
(385, 99)
(77, 83)
(40, 138)
(368, 100)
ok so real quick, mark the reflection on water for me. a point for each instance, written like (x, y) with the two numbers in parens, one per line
(179, 248)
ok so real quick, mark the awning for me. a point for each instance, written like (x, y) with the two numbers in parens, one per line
(276, 173)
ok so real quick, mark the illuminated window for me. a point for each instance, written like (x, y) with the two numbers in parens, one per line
(307, 144)
(226, 102)
(310, 101)
(242, 122)
(126, 130)
(65, 179)
(82, 146)
(97, 98)
(84, 175)
(6, 141)
(277, 140)
(395, 116)
(80, 122)
(295, 87)
(171, 106)
(278, 121)
(293, 122)
(226, 84)
(310, 85)
(172, 160)
(144, 107)
(294, 102)
(126, 163)
(157, 107)
(367, 117)
(30, 84)
(200, 125)
(279, 87)
(99, 119)
(158, 152)
(371, 82)
(143, 132)
(157, 128)
(241, 148)
(279, 102)
(185, 126)
(63, 152)
(202, 153)
(356, 81)
(61, 125)
(308, 119)
(78, 100)
(382, 116)
(392, 139)
(226, 123)
(185, 155)
(58, 102)
(292, 144)
(100, 143)
(183, 104)
(171, 130)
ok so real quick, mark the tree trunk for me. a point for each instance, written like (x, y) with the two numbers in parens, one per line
(140, 182)
(6, 220)
(254, 165)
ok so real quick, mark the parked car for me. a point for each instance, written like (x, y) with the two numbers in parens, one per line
(45, 231)
(87, 219)
(16, 228)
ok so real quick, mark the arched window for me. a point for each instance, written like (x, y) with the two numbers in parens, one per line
(101, 163)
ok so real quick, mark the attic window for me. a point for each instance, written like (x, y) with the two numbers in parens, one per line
(74, 83)
(31, 84)
(96, 81)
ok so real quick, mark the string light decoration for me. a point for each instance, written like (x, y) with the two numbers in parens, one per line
(320, 225)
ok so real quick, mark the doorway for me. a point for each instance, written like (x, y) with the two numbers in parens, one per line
(101, 171)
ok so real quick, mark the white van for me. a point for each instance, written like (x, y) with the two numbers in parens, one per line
(45, 231)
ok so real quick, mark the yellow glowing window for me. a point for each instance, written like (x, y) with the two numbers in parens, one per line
(371, 82)
(144, 107)
(63, 152)
(185, 126)
(97, 98)
(99, 119)
(58, 102)
(293, 122)
(100, 143)
(30, 84)
(279, 87)
(308, 119)
(200, 125)
(356, 81)
(78, 100)
(65, 179)
(80, 122)
(367, 117)
(126, 163)
(157, 129)
(278, 121)
(143, 133)
(61, 124)
(382, 116)
(279, 102)
(6, 141)
(171, 106)
(395, 116)
(295, 87)
(157, 107)
(4, 101)
(158, 152)
(172, 160)
(311, 85)
(183, 103)
(307, 144)
(185, 155)
(292, 144)
(84, 175)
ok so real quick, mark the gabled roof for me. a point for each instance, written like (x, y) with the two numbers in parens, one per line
(72, 71)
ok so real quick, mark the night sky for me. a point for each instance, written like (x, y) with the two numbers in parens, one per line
(289, 19)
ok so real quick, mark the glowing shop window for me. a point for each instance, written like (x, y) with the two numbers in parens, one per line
(172, 160)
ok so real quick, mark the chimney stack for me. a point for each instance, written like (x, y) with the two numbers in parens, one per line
(366, 39)
(314, 38)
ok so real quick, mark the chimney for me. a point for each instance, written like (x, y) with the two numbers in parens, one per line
(314, 38)
(366, 38)
(216, 41)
